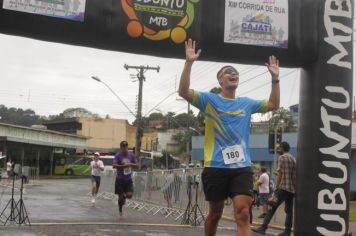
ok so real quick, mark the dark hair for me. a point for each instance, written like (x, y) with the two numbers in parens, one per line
(124, 144)
(285, 146)
(263, 170)
(222, 69)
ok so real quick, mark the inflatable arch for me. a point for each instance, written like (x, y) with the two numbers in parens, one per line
(315, 35)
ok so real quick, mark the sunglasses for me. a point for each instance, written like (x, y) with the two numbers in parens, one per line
(230, 70)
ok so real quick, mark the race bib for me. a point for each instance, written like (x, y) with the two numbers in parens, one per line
(233, 154)
(127, 171)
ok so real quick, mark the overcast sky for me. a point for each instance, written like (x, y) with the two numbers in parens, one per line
(50, 77)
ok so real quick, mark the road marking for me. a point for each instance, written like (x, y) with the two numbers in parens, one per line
(109, 223)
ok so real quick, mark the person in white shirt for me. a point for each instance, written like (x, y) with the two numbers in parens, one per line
(263, 190)
(97, 166)
(9, 170)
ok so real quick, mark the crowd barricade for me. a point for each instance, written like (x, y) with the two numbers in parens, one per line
(171, 193)
(29, 175)
(34, 175)
(107, 185)
(176, 193)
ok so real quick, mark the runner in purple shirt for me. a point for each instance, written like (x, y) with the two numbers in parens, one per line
(124, 161)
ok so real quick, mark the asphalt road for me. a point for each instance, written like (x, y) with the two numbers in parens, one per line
(62, 207)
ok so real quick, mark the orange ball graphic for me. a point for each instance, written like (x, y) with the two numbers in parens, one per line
(134, 29)
(178, 35)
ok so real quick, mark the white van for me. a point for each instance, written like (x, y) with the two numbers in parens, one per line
(107, 160)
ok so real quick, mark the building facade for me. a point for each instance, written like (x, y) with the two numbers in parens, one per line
(35, 147)
(104, 134)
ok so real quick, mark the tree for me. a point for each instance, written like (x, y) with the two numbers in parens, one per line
(156, 116)
(181, 138)
(185, 120)
(19, 116)
(79, 112)
(282, 118)
(74, 112)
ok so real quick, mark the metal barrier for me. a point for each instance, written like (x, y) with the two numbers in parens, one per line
(30, 174)
(176, 194)
(34, 176)
(107, 186)
(172, 193)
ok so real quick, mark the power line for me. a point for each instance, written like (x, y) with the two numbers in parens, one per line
(113, 92)
(262, 85)
(159, 103)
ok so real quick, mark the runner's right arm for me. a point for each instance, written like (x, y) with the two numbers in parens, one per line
(191, 55)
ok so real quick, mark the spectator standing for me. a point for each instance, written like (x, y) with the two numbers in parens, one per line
(9, 170)
(285, 190)
(256, 200)
(263, 191)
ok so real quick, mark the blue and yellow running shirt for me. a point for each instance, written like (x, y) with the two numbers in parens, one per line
(227, 128)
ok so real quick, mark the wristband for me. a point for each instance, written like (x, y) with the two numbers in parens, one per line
(276, 81)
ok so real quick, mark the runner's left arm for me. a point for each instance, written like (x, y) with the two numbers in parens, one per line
(273, 68)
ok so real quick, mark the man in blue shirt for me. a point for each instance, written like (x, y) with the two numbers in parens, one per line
(227, 163)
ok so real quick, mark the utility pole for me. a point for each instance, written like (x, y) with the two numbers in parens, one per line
(139, 130)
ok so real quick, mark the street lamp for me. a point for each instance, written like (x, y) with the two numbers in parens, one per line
(96, 78)
(193, 129)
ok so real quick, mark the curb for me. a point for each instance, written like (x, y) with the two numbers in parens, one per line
(109, 223)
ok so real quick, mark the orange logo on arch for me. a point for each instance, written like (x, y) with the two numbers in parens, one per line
(159, 19)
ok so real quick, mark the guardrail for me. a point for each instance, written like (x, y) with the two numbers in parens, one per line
(174, 193)
(30, 175)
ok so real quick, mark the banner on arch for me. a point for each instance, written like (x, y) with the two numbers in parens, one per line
(257, 22)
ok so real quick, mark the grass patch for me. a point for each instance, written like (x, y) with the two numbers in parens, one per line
(353, 216)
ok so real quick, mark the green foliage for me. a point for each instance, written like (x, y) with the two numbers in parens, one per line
(74, 112)
(19, 116)
(28, 117)
(181, 138)
(156, 116)
(282, 118)
(352, 217)
(171, 120)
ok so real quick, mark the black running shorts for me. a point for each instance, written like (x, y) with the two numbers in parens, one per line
(123, 186)
(96, 179)
(220, 183)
